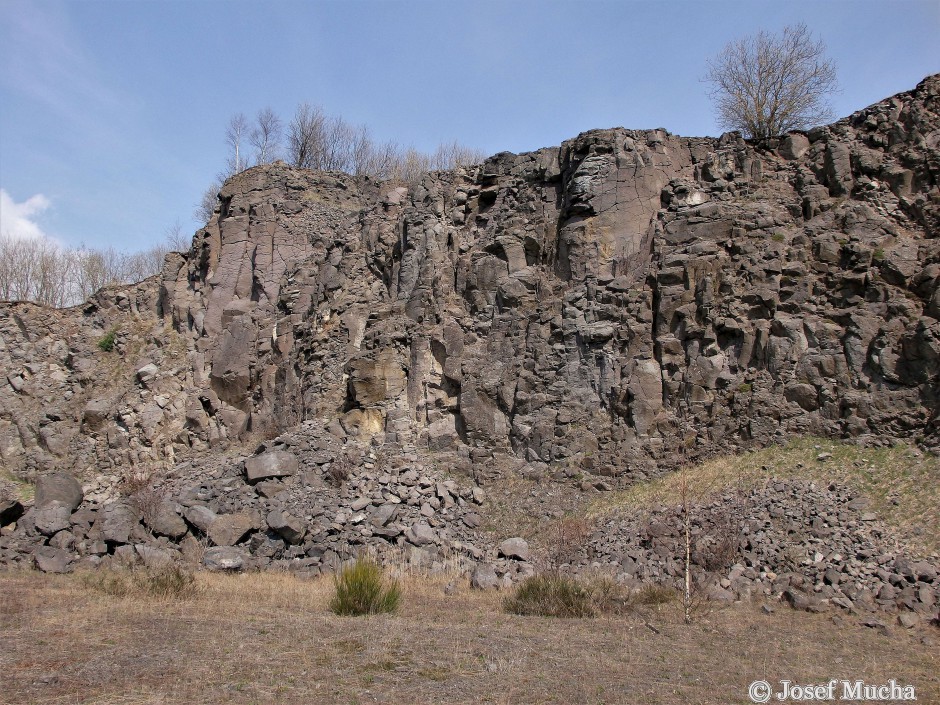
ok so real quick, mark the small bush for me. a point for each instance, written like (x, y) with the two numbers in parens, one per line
(361, 588)
(339, 471)
(550, 595)
(167, 582)
(653, 594)
(106, 342)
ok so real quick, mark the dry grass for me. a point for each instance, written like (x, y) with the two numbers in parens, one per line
(22, 490)
(270, 638)
(902, 483)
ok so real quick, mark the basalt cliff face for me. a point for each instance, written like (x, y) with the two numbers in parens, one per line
(601, 305)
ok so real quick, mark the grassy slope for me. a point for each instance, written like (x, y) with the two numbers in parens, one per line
(902, 483)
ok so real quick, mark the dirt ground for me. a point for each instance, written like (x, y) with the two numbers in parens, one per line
(269, 638)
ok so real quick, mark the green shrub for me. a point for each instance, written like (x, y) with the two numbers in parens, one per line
(777, 237)
(878, 255)
(550, 595)
(106, 343)
(361, 588)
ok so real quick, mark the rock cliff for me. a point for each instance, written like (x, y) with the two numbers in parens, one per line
(601, 304)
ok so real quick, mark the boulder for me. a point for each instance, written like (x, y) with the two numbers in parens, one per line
(515, 548)
(484, 577)
(229, 529)
(273, 463)
(52, 518)
(289, 527)
(420, 534)
(166, 522)
(224, 559)
(117, 522)
(153, 557)
(58, 487)
(53, 560)
(201, 517)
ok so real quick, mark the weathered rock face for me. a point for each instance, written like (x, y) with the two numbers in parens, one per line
(598, 304)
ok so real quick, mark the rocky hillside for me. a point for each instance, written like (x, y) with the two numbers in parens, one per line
(339, 364)
(596, 305)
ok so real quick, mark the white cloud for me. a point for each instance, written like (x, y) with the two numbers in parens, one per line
(18, 220)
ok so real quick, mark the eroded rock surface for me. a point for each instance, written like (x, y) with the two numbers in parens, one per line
(588, 309)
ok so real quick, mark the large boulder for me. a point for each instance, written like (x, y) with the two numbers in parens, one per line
(273, 463)
(49, 559)
(117, 522)
(51, 519)
(516, 548)
(224, 559)
(58, 487)
(201, 517)
(229, 529)
(166, 522)
(484, 577)
(288, 526)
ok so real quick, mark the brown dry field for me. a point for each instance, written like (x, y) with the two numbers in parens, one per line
(270, 638)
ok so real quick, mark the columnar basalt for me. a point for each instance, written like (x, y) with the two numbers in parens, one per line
(600, 304)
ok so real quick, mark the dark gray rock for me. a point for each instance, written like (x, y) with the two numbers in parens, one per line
(515, 548)
(484, 577)
(224, 559)
(230, 529)
(52, 518)
(273, 463)
(117, 522)
(53, 560)
(58, 487)
(288, 526)
(166, 522)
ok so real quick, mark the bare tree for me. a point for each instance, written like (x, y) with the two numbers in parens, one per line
(265, 136)
(207, 203)
(175, 239)
(305, 136)
(768, 84)
(235, 136)
(454, 155)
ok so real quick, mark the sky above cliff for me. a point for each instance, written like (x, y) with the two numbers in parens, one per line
(113, 113)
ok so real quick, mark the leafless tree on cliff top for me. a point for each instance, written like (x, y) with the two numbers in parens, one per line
(265, 136)
(235, 136)
(768, 84)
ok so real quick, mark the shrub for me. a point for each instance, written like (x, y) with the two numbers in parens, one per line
(106, 342)
(166, 582)
(550, 595)
(361, 588)
(169, 582)
(653, 594)
(340, 470)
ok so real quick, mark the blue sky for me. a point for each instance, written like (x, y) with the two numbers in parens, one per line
(113, 112)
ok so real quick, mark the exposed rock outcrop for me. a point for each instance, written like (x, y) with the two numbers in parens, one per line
(602, 305)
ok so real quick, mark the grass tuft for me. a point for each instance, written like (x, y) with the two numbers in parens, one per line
(361, 588)
(106, 342)
(169, 582)
(550, 595)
